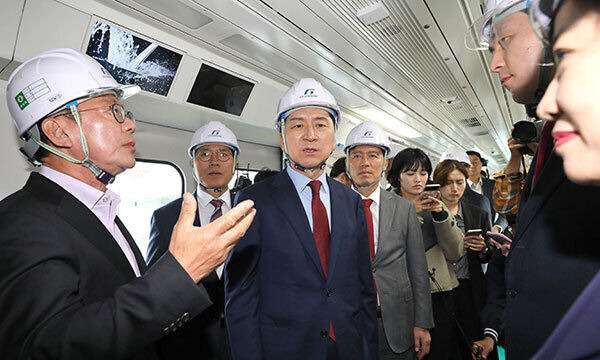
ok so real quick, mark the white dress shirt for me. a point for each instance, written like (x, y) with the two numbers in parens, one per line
(478, 188)
(206, 209)
(102, 204)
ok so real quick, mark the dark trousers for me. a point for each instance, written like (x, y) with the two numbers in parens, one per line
(446, 340)
(385, 352)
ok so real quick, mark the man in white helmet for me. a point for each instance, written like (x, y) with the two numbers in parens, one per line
(555, 231)
(397, 252)
(299, 283)
(76, 284)
(213, 152)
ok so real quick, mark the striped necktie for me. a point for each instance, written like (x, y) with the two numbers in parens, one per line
(217, 203)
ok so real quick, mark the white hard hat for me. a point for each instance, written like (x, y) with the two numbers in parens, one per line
(367, 133)
(54, 78)
(492, 9)
(306, 93)
(213, 133)
(456, 153)
(394, 150)
(541, 15)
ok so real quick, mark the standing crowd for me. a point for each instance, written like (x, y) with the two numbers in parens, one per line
(443, 264)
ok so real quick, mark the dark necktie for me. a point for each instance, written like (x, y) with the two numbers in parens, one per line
(367, 204)
(544, 150)
(217, 203)
(369, 214)
(321, 232)
(320, 225)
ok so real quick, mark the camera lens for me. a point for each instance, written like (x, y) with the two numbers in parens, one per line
(526, 131)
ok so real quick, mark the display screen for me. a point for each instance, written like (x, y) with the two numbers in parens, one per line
(132, 60)
(219, 90)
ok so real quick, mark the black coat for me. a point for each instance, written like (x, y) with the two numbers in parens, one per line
(67, 291)
(205, 337)
(554, 255)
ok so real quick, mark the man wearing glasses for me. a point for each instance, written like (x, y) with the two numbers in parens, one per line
(74, 284)
(213, 152)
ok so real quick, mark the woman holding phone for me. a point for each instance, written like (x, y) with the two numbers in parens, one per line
(443, 243)
(470, 295)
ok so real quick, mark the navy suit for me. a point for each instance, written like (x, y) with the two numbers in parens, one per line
(204, 337)
(279, 303)
(576, 336)
(554, 255)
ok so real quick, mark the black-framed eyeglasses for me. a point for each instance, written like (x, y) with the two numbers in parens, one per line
(117, 110)
(222, 155)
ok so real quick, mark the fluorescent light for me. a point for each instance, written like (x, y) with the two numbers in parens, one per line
(389, 122)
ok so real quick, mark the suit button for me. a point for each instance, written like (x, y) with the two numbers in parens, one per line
(185, 317)
(166, 331)
(323, 334)
(173, 327)
(512, 293)
(374, 269)
(329, 292)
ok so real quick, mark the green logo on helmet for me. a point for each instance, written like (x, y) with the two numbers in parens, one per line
(31, 93)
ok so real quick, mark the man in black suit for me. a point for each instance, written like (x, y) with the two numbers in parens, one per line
(555, 251)
(213, 152)
(484, 187)
(73, 283)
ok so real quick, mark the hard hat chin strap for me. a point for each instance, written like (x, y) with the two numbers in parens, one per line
(294, 164)
(102, 175)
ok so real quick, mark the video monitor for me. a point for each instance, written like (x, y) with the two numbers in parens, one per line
(133, 60)
(219, 90)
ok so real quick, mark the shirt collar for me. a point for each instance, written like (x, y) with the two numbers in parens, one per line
(85, 193)
(204, 198)
(472, 183)
(301, 181)
(374, 195)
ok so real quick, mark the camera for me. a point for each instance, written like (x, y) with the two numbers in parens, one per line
(525, 132)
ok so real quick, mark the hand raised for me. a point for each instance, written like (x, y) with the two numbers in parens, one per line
(201, 249)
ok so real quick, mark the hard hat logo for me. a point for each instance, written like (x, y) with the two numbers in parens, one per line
(216, 133)
(309, 93)
(368, 134)
(31, 93)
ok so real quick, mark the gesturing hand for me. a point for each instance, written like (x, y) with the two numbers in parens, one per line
(201, 249)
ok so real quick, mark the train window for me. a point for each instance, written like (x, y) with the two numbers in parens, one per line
(236, 179)
(144, 188)
(133, 60)
(219, 90)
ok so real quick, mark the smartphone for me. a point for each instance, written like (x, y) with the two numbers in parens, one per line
(431, 190)
(499, 238)
(474, 232)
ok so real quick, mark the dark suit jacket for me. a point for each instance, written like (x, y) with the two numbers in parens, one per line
(554, 255)
(478, 200)
(204, 337)
(476, 218)
(576, 336)
(67, 290)
(487, 187)
(279, 304)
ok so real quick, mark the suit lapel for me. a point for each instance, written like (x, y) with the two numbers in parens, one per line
(90, 227)
(388, 210)
(136, 251)
(551, 177)
(288, 200)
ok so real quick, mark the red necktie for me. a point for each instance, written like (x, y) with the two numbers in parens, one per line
(217, 203)
(321, 232)
(369, 214)
(544, 149)
(367, 204)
